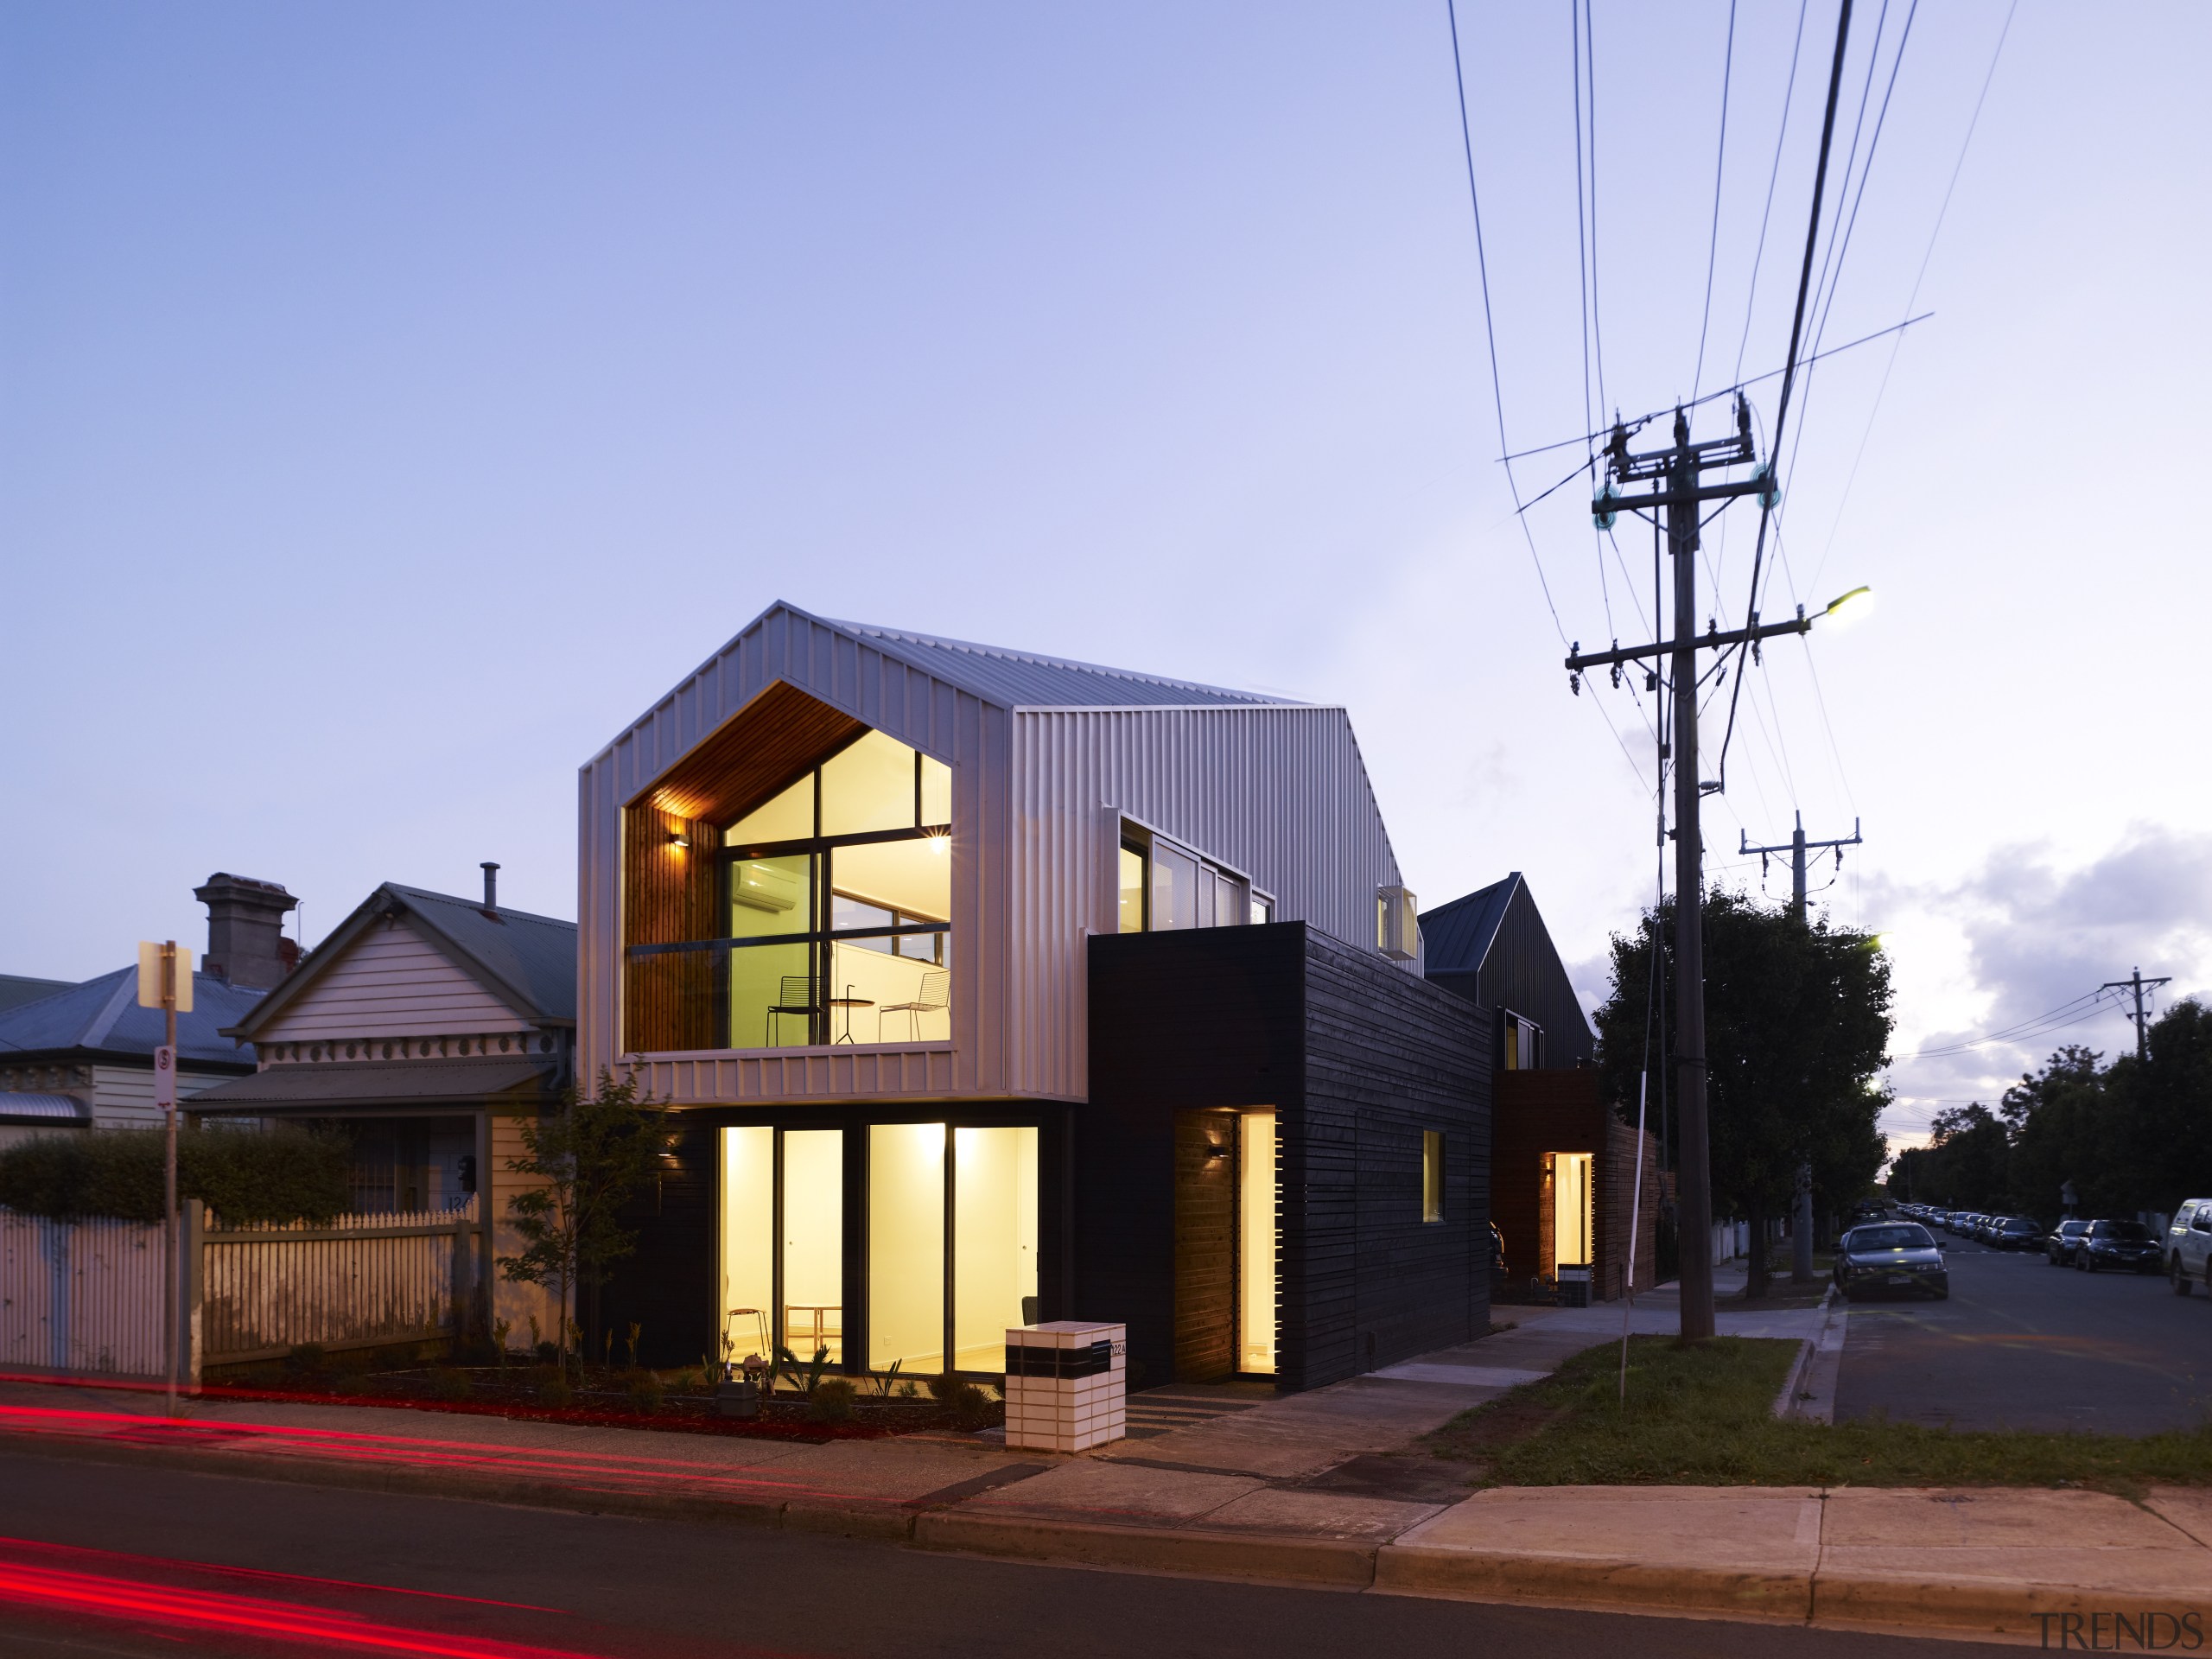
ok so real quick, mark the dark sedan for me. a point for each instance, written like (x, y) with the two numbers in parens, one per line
(2062, 1241)
(1896, 1255)
(2125, 1244)
(2015, 1233)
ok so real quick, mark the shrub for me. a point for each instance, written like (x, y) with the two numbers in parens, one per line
(555, 1392)
(448, 1384)
(243, 1175)
(831, 1401)
(971, 1408)
(646, 1393)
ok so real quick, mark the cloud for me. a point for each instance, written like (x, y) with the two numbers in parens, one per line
(2027, 936)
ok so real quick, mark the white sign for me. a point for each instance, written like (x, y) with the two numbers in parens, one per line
(165, 1078)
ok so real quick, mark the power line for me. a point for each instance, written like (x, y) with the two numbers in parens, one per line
(1919, 277)
(1713, 240)
(1759, 255)
(2083, 1007)
(1496, 383)
(1789, 366)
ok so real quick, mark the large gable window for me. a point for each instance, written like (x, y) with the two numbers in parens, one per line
(828, 911)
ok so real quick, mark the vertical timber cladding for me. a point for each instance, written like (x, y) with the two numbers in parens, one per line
(1206, 1246)
(1359, 1058)
(671, 891)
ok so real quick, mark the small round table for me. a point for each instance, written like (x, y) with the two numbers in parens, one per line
(848, 1002)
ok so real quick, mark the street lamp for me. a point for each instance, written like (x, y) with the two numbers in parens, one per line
(1853, 606)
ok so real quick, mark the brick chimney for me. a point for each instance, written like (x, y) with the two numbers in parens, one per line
(245, 924)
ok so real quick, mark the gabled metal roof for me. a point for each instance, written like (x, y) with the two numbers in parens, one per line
(1457, 937)
(527, 961)
(1019, 679)
(102, 1016)
(42, 1108)
(307, 1088)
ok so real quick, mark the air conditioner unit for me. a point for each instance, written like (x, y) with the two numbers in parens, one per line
(762, 886)
(1397, 923)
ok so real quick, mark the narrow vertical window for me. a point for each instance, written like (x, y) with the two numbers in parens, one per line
(813, 1312)
(746, 1313)
(1256, 1243)
(906, 1248)
(1133, 887)
(1431, 1175)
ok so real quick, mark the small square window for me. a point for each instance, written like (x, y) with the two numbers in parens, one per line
(1431, 1175)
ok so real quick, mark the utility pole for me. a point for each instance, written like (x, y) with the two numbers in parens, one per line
(1796, 849)
(2136, 982)
(1801, 1225)
(165, 982)
(1676, 472)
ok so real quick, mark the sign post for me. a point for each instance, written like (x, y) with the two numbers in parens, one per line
(165, 982)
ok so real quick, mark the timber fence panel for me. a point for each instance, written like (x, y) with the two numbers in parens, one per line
(355, 1281)
(82, 1295)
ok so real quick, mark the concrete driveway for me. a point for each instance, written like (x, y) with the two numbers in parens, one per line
(2022, 1344)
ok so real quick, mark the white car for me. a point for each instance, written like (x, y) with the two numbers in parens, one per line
(2188, 1241)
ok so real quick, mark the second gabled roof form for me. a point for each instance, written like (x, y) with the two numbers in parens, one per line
(527, 961)
(1017, 679)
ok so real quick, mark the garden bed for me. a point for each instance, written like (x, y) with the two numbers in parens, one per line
(607, 1398)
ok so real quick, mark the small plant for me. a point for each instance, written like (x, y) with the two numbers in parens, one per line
(555, 1391)
(630, 1341)
(805, 1378)
(536, 1335)
(885, 1379)
(447, 1384)
(500, 1328)
(547, 1354)
(831, 1401)
(607, 1349)
(909, 1390)
(941, 1386)
(646, 1392)
(971, 1407)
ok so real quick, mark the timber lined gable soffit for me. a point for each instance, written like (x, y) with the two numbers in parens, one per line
(422, 913)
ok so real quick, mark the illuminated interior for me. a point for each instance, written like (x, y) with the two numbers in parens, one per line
(906, 1246)
(1571, 1216)
(994, 1242)
(748, 1229)
(1256, 1243)
(814, 1242)
(1431, 1175)
(838, 905)
(1161, 888)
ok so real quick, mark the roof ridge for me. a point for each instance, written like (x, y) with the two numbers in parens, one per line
(475, 904)
(125, 992)
(1043, 660)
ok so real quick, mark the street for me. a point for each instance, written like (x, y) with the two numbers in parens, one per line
(2022, 1345)
(139, 1561)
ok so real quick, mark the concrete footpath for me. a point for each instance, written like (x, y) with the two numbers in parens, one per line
(1318, 1489)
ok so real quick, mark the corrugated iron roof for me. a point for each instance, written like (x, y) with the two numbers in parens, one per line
(103, 1016)
(1457, 936)
(411, 1083)
(15, 990)
(43, 1109)
(1023, 678)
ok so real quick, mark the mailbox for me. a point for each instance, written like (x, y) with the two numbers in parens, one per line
(1066, 1385)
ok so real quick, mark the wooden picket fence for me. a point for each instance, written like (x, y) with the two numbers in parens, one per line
(88, 1295)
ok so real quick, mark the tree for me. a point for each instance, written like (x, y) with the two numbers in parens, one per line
(588, 1159)
(2059, 1121)
(1797, 1018)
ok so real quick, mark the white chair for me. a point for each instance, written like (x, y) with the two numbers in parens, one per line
(936, 993)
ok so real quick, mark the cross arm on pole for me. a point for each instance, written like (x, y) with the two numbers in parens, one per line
(1580, 661)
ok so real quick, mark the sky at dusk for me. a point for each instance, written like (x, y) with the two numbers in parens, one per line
(395, 401)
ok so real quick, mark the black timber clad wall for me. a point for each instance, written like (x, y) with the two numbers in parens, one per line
(1358, 1056)
(1178, 1022)
(1523, 972)
(666, 1286)
(1366, 1283)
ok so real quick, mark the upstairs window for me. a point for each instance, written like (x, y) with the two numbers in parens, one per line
(1163, 887)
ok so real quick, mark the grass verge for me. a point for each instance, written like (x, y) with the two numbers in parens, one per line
(1703, 1416)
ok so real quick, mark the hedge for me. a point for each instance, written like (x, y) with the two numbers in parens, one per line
(242, 1175)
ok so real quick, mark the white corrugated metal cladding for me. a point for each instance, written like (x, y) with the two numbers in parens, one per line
(1047, 757)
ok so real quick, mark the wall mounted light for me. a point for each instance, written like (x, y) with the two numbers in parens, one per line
(1216, 1153)
(940, 843)
(677, 838)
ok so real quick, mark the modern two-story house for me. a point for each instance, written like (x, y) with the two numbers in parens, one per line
(988, 987)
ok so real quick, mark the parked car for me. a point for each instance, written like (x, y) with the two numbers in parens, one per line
(2188, 1243)
(1891, 1256)
(2059, 1244)
(2015, 1233)
(1985, 1230)
(2126, 1244)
